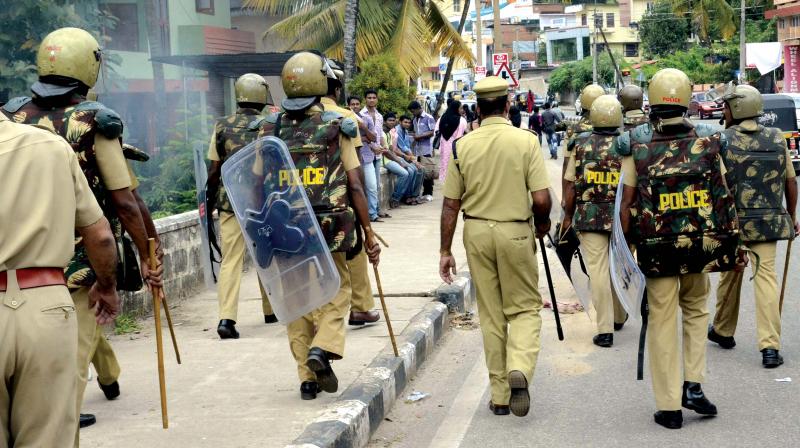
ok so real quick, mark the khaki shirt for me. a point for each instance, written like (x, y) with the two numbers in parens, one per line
(44, 197)
(112, 163)
(331, 105)
(498, 167)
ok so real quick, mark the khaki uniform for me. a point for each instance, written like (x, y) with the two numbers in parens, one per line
(664, 296)
(233, 251)
(328, 319)
(45, 196)
(594, 247)
(498, 168)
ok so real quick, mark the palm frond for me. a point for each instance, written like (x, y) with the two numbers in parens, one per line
(283, 7)
(445, 38)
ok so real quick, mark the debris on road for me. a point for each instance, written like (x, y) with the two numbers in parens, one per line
(464, 321)
(416, 396)
(565, 308)
(783, 380)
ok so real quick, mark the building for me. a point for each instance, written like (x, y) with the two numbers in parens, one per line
(787, 13)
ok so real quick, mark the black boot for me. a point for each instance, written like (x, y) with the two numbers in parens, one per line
(309, 390)
(726, 342)
(318, 362)
(270, 319)
(520, 402)
(695, 399)
(604, 340)
(770, 358)
(111, 391)
(227, 329)
(498, 409)
(87, 420)
(618, 326)
(669, 419)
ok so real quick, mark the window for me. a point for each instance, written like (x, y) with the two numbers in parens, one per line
(456, 5)
(598, 20)
(583, 20)
(125, 34)
(795, 21)
(610, 20)
(631, 50)
(781, 23)
(204, 6)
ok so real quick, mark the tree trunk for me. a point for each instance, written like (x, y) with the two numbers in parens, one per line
(350, 28)
(478, 35)
(498, 34)
(156, 44)
(446, 78)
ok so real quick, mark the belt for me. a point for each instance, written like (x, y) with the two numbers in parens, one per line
(35, 278)
(466, 217)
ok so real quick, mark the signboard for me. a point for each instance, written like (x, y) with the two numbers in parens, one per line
(626, 277)
(480, 72)
(442, 68)
(791, 69)
(498, 59)
(504, 72)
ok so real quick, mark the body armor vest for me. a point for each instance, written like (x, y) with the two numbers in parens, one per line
(634, 118)
(232, 134)
(77, 125)
(597, 174)
(687, 220)
(756, 163)
(314, 146)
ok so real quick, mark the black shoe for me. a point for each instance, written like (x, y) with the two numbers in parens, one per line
(270, 319)
(726, 342)
(770, 358)
(695, 400)
(618, 326)
(499, 409)
(227, 329)
(520, 402)
(604, 340)
(87, 420)
(363, 317)
(318, 362)
(309, 390)
(111, 391)
(669, 419)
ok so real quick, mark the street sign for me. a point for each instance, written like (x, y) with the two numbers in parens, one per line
(480, 72)
(442, 68)
(499, 59)
(504, 72)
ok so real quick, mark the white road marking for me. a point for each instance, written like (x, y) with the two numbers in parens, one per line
(454, 426)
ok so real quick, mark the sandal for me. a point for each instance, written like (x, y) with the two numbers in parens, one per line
(384, 215)
(378, 219)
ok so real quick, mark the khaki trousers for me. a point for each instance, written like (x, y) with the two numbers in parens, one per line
(230, 272)
(502, 262)
(664, 296)
(89, 333)
(768, 313)
(38, 330)
(607, 308)
(362, 299)
(105, 361)
(329, 322)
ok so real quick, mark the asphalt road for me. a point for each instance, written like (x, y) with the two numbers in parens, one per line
(584, 395)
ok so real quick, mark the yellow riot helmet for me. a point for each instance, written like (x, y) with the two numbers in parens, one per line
(744, 102)
(589, 94)
(304, 78)
(252, 88)
(631, 97)
(670, 87)
(606, 112)
(70, 53)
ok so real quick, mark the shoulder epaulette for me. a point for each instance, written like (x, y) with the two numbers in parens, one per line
(109, 123)
(330, 115)
(642, 133)
(348, 127)
(624, 144)
(704, 130)
(15, 104)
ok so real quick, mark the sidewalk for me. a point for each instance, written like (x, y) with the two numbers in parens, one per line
(245, 393)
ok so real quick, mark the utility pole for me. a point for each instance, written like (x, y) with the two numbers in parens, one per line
(594, 48)
(498, 36)
(478, 35)
(742, 44)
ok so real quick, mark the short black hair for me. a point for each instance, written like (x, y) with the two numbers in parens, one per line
(492, 106)
(333, 84)
(414, 105)
(546, 106)
(405, 117)
(536, 109)
(389, 115)
(353, 97)
(370, 91)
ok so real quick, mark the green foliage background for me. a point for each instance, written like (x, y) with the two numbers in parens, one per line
(382, 73)
(661, 32)
(574, 76)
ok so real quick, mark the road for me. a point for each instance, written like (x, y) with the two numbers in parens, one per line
(584, 395)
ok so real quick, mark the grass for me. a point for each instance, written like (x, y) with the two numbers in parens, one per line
(126, 324)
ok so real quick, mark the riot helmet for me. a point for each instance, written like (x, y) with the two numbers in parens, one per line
(253, 89)
(68, 58)
(606, 112)
(631, 97)
(744, 102)
(670, 87)
(305, 78)
(589, 94)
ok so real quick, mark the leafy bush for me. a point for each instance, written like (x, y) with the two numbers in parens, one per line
(574, 76)
(382, 73)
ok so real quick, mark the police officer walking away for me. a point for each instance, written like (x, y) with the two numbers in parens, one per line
(685, 227)
(493, 175)
(759, 174)
(592, 176)
(231, 134)
(322, 139)
(46, 199)
(632, 99)
(588, 95)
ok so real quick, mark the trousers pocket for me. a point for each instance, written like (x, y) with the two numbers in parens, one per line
(65, 309)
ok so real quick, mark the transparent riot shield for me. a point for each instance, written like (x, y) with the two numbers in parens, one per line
(282, 234)
(209, 256)
(626, 277)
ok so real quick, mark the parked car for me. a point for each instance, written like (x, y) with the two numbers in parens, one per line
(702, 106)
(780, 111)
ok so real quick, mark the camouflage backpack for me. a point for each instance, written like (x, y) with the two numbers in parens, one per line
(77, 124)
(232, 134)
(687, 220)
(314, 146)
(756, 163)
(597, 173)
(573, 131)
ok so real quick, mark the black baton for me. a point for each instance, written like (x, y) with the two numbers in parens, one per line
(552, 291)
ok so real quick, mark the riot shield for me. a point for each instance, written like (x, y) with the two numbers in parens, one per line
(567, 248)
(208, 254)
(626, 277)
(281, 231)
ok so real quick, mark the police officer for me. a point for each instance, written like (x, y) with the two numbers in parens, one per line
(759, 174)
(231, 134)
(685, 227)
(632, 99)
(588, 95)
(592, 177)
(46, 200)
(68, 63)
(318, 337)
(493, 175)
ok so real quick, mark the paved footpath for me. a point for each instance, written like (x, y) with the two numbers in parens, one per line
(245, 393)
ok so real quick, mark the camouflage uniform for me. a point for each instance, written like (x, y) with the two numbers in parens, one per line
(634, 118)
(231, 134)
(759, 165)
(582, 126)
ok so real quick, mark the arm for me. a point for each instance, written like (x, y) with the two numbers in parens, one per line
(627, 202)
(791, 201)
(359, 200)
(542, 203)
(149, 225)
(447, 228)
(131, 218)
(569, 205)
(102, 250)
(212, 185)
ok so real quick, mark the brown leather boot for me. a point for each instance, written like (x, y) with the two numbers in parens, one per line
(363, 317)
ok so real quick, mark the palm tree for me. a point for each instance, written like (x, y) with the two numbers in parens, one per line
(446, 79)
(704, 13)
(410, 30)
(155, 41)
(350, 28)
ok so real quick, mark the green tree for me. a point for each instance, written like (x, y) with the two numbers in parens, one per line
(662, 32)
(574, 76)
(382, 74)
(410, 30)
(707, 15)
